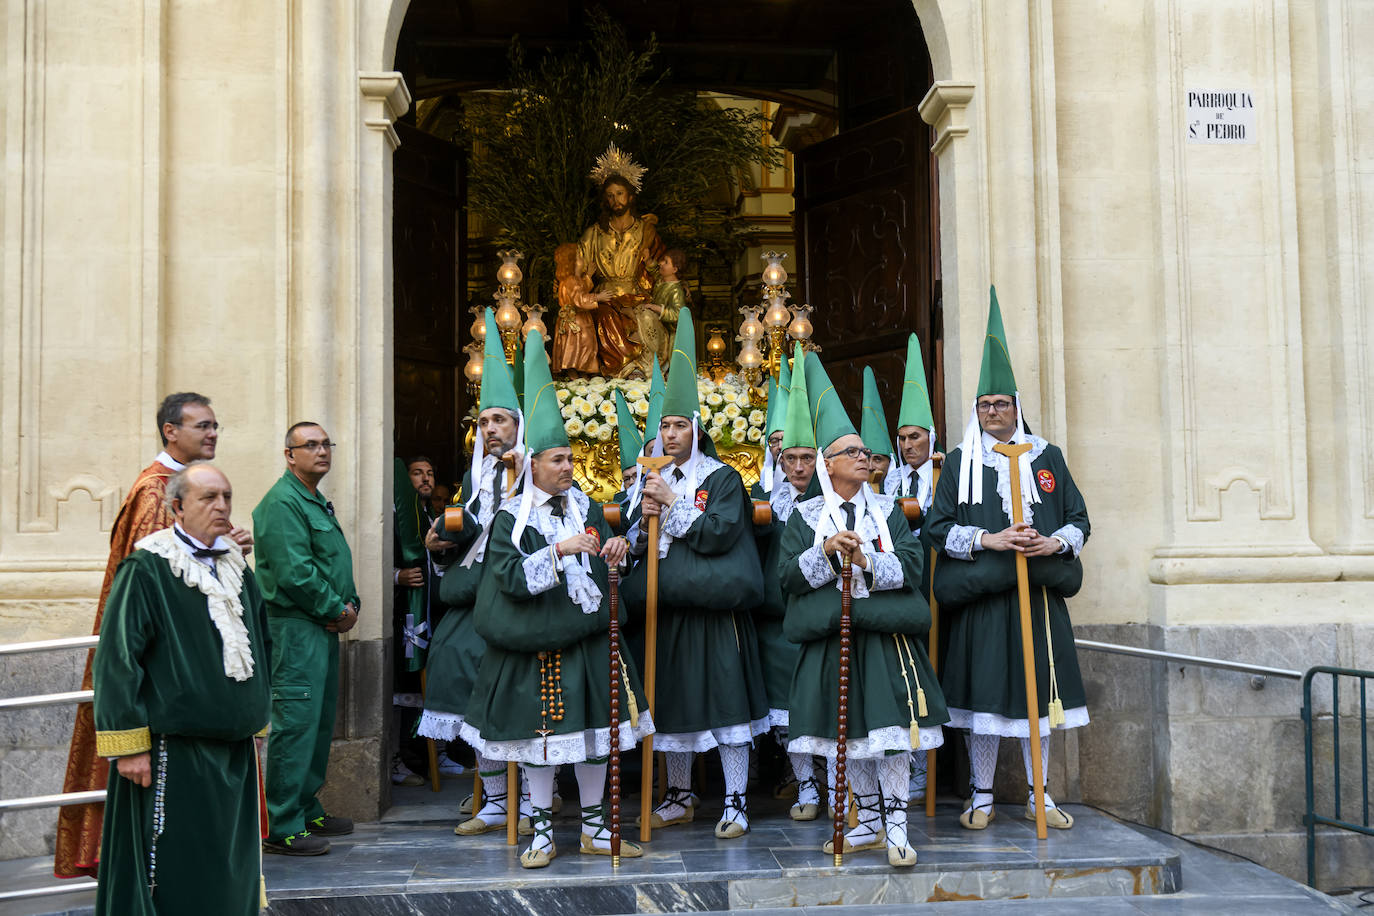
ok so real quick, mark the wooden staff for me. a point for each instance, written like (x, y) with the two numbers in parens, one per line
(613, 765)
(646, 780)
(431, 748)
(1014, 453)
(934, 652)
(512, 803)
(842, 725)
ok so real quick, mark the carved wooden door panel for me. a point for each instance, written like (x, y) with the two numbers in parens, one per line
(867, 253)
(427, 220)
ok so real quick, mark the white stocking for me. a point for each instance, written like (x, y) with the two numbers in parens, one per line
(674, 804)
(493, 773)
(734, 762)
(540, 782)
(893, 778)
(591, 787)
(805, 772)
(1044, 767)
(862, 776)
(982, 755)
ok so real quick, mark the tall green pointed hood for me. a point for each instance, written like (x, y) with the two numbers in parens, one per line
(680, 396)
(915, 409)
(543, 419)
(778, 393)
(631, 441)
(655, 414)
(797, 431)
(828, 416)
(873, 419)
(498, 390)
(517, 373)
(995, 376)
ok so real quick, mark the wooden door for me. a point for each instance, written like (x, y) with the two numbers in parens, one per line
(868, 255)
(427, 227)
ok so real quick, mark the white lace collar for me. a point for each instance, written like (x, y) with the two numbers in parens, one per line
(223, 596)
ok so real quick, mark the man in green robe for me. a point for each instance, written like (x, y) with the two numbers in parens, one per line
(542, 695)
(181, 687)
(709, 583)
(455, 653)
(306, 570)
(895, 706)
(976, 586)
(796, 470)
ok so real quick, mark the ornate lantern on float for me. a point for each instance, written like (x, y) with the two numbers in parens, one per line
(507, 295)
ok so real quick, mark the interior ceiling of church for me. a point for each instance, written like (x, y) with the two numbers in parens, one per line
(781, 50)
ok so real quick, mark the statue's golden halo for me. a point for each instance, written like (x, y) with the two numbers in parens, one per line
(615, 161)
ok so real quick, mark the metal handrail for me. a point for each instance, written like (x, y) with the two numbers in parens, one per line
(50, 890)
(1336, 819)
(94, 796)
(1203, 661)
(45, 645)
(47, 699)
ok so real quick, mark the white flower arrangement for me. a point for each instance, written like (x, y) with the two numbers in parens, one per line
(727, 412)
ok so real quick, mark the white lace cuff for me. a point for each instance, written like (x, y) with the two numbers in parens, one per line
(680, 516)
(815, 566)
(1072, 538)
(886, 570)
(962, 540)
(541, 574)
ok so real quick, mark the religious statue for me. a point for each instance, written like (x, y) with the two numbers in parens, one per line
(658, 320)
(617, 249)
(574, 336)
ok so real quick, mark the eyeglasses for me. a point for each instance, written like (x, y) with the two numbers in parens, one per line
(204, 426)
(854, 453)
(999, 406)
(313, 446)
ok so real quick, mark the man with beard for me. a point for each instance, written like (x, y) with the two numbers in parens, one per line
(617, 250)
(189, 432)
(455, 654)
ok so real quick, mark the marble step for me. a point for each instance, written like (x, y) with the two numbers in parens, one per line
(421, 867)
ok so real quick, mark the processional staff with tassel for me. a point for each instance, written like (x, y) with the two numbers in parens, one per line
(1010, 524)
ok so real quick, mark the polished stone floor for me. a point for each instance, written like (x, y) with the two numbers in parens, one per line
(412, 863)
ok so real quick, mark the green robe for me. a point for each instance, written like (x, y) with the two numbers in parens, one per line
(981, 670)
(710, 686)
(777, 653)
(160, 686)
(455, 653)
(888, 663)
(505, 715)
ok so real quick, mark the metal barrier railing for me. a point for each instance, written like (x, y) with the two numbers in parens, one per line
(1336, 819)
(60, 799)
(1258, 672)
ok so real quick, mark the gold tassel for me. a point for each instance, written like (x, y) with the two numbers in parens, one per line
(262, 892)
(634, 706)
(1056, 712)
(921, 703)
(915, 736)
(1056, 705)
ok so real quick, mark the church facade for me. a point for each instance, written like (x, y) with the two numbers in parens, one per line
(1175, 201)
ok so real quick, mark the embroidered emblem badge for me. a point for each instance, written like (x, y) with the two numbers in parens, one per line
(701, 500)
(1046, 479)
(596, 535)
